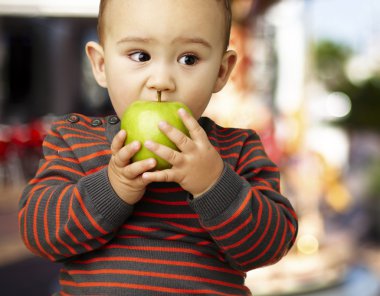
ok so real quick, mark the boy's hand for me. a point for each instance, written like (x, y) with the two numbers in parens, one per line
(196, 166)
(125, 177)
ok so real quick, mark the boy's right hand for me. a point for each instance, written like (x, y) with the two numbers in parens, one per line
(125, 177)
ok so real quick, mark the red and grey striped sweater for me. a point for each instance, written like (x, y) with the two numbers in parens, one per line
(168, 243)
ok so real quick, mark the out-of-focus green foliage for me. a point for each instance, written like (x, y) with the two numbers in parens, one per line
(365, 113)
(330, 60)
(374, 177)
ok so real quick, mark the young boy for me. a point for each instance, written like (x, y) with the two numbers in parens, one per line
(121, 228)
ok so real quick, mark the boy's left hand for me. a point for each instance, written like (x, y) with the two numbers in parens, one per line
(196, 166)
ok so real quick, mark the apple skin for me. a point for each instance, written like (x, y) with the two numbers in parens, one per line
(140, 120)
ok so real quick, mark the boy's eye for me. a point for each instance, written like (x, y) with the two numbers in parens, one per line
(188, 59)
(140, 56)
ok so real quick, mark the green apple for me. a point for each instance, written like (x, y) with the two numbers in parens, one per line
(141, 120)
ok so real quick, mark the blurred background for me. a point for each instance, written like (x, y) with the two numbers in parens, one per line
(307, 79)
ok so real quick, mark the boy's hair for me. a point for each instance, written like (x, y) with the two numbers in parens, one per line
(227, 11)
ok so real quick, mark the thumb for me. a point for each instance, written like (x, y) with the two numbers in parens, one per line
(118, 141)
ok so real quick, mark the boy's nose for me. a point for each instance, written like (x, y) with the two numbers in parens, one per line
(161, 80)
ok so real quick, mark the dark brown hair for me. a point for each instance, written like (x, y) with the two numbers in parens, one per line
(227, 9)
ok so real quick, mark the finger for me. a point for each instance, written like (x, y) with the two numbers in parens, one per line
(135, 169)
(182, 141)
(170, 155)
(124, 155)
(159, 176)
(195, 130)
(118, 141)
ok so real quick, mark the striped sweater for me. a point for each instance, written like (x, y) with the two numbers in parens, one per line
(168, 243)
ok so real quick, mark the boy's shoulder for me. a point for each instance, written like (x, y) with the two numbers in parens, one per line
(81, 120)
(76, 123)
(75, 118)
(213, 128)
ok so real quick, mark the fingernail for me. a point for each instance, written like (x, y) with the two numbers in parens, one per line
(135, 144)
(182, 111)
(162, 124)
(148, 144)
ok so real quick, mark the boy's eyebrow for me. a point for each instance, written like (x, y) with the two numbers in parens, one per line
(196, 40)
(134, 39)
(193, 40)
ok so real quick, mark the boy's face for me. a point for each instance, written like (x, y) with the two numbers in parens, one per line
(172, 46)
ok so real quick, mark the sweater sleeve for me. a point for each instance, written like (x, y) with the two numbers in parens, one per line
(65, 210)
(245, 213)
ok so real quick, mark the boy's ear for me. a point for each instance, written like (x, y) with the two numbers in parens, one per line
(95, 54)
(228, 63)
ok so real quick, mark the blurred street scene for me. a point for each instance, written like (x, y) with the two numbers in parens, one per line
(307, 80)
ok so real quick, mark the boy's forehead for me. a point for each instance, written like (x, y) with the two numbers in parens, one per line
(177, 2)
(170, 14)
(112, 7)
(166, 4)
